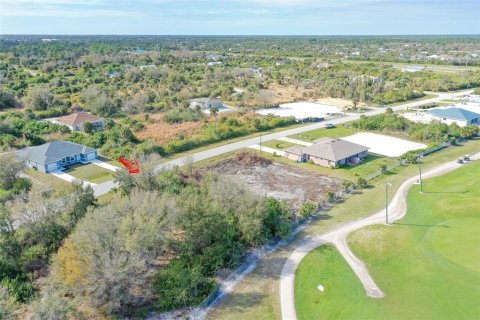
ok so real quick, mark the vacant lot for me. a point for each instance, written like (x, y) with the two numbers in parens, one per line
(162, 132)
(284, 182)
(384, 145)
(428, 264)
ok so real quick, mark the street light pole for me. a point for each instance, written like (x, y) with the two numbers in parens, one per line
(420, 172)
(387, 185)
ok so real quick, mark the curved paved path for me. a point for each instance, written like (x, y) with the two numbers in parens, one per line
(396, 208)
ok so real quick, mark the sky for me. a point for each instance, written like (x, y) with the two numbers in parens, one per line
(240, 17)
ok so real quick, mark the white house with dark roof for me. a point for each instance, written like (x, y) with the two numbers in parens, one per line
(56, 155)
(328, 152)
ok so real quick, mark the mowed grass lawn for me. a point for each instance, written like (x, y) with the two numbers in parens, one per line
(90, 172)
(337, 132)
(428, 263)
(278, 144)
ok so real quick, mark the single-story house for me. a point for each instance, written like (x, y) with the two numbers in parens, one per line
(328, 152)
(76, 120)
(412, 68)
(56, 155)
(458, 115)
(205, 103)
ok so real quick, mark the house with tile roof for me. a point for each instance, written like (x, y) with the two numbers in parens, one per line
(328, 152)
(56, 155)
(76, 120)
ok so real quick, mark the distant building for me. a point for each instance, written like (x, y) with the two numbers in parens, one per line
(114, 74)
(323, 65)
(57, 155)
(328, 152)
(214, 63)
(205, 103)
(283, 62)
(460, 116)
(147, 66)
(256, 70)
(412, 68)
(76, 120)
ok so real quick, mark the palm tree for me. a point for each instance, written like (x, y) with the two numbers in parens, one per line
(214, 112)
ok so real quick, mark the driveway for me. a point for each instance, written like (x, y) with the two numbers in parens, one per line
(69, 178)
(397, 209)
(104, 165)
(267, 150)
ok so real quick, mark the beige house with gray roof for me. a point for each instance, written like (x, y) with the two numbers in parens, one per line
(328, 152)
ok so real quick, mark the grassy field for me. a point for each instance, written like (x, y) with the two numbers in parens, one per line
(428, 264)
(90, 172)
(337, 132)
(278, 144)
(257, 297)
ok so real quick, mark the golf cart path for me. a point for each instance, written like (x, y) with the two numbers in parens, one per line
(397, 210)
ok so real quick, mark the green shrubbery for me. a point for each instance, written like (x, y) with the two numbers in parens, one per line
(226, 128)
(183, 114)
(434, 132)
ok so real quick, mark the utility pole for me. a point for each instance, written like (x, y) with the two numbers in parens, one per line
(420, 172)
(387, 185)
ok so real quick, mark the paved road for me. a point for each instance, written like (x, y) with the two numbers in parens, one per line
(397, 209)
(202, 155)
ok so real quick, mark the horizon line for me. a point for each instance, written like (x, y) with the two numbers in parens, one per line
(238, 35)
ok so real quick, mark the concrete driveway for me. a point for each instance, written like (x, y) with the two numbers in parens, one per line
(69, 178)
(105, 165)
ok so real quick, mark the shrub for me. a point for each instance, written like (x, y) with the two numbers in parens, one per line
(307, 209)
(362, 183)
(178, 286)
(18, 288)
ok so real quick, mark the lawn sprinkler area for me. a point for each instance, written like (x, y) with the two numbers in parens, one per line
(301, 110)
(384, 145)
(427, 264)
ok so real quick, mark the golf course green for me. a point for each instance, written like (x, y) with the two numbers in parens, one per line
(427, 264)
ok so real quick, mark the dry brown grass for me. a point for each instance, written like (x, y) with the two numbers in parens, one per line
(290, 93)
(162, 132)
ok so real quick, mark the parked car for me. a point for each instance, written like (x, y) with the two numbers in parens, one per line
(329, 126)
(460, 161)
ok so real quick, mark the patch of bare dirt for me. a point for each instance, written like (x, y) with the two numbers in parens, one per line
(267, 178)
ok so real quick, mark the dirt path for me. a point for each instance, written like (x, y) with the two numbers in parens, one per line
(397, 209)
